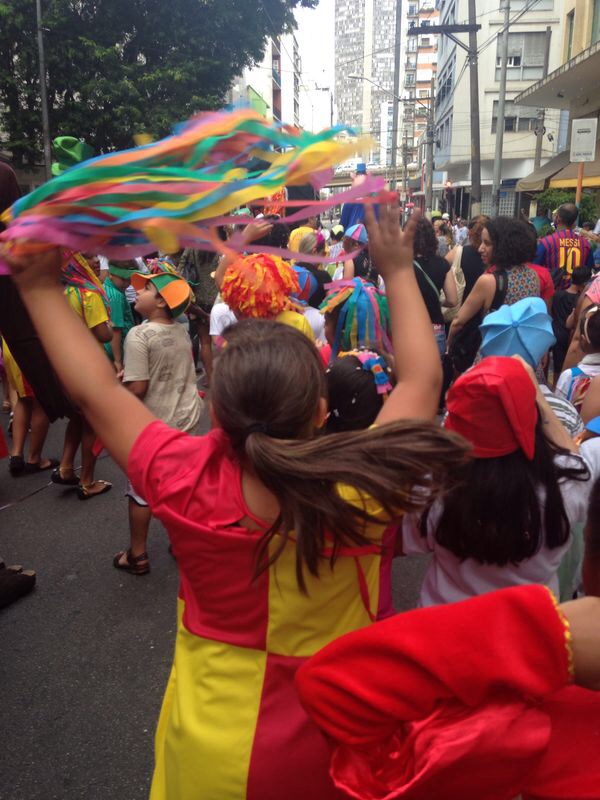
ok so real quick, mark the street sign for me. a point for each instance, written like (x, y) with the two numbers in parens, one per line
(583, 139)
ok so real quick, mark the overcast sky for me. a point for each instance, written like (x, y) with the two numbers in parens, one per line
(316, 41)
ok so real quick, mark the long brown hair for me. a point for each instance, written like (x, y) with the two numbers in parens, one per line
(266, 389)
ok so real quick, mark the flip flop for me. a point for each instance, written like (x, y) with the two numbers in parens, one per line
(83, 491)
(31, 468)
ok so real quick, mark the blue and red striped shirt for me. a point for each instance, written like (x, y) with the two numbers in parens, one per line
(561, 252)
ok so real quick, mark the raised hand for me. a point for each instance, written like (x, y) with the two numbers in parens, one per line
(390, 248)
(39, 267)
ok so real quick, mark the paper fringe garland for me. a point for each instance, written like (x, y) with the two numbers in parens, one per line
(163, 195)
(259, 286)
(363, 320)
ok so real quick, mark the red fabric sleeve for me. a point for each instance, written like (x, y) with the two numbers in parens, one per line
(171, 470)
(426, 699)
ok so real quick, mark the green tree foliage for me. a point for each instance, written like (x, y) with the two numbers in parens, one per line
(120, 67)
(551, 199)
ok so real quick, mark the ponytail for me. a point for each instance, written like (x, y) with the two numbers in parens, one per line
(318, 483)
(267, 392)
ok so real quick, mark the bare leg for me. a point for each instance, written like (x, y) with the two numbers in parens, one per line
(88, 462)
(206, 351)
(139, 523)
(39, 430)
(21, 422)
(135, 559)
(70, 447)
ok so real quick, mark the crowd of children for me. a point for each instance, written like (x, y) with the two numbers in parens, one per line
(330, 453)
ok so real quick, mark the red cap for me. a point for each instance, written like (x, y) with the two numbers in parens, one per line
(493, 406)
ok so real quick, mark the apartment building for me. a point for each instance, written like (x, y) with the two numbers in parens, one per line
(364, 49)
(273, 86)
(527, 42)
(573, 89)
(420, 68)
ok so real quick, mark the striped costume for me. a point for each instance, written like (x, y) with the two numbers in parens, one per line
(231, 726)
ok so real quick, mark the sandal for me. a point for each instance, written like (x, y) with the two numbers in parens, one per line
(57, 477)
(135, 565)
(36, 466)
(84, 493)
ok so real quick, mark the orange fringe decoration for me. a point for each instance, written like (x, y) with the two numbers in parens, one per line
(259, 285)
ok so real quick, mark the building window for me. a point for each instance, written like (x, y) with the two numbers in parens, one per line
(425, 41)
(413, 9)
(570, 30)
(596, 23)
(516, 118)
(526, 52)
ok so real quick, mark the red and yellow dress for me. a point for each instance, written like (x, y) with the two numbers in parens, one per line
(231, 725)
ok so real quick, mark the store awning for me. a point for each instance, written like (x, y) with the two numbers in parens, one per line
(567, 177)
(537, 180)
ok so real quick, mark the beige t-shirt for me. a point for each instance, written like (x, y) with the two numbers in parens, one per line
(162, 355)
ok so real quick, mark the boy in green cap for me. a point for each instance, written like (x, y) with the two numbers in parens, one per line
(159, 369)
(121, 315)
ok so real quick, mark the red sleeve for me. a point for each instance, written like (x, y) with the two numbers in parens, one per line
(167, 467)
(426, 697)
(546, 283)
(362, 685)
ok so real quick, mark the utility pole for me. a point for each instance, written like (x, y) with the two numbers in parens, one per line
(429, 151)
(504, 6)
(395, 114)
(475, 125)
(541, 116)
(43, 93)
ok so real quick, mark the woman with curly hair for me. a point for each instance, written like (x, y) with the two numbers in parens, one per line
(507, 245)
(433, 274)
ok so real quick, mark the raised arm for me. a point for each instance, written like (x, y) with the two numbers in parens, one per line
(417, 360)
(80, 363)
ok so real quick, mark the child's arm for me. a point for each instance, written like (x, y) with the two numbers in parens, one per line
(418, 365)
(115, 414)
(117, 348)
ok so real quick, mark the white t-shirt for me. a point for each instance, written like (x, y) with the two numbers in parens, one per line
(162, 355)
(449, 579)
(316, 320)
(221, 316)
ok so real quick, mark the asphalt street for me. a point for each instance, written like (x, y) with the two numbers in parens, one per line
(84, 658)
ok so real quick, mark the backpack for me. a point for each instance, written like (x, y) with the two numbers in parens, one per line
(467, 341)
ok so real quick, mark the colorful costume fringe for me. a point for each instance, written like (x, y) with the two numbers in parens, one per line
(375, 364)
(128, 203)
(78, 274)
(259, 286)
(363, 319)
